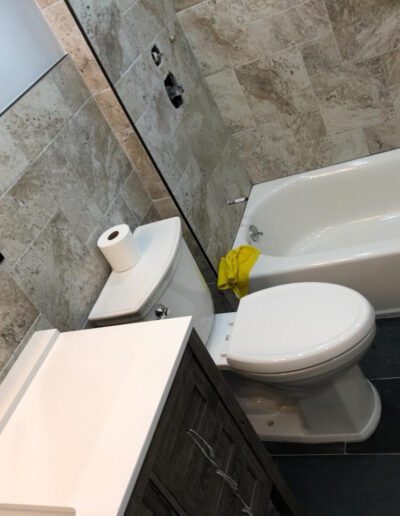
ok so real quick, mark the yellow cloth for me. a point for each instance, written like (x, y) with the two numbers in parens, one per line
(235, 267)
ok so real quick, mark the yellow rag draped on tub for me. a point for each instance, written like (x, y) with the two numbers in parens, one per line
(234, 269)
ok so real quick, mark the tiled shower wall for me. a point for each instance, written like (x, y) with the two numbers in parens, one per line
(64, 179)
(191, 145)
(70, 166)
(301, 84)
(70, 37)
(69, 34)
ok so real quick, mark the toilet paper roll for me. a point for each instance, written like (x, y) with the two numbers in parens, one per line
(119, 248)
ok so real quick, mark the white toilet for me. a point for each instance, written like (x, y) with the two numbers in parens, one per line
(290, 353)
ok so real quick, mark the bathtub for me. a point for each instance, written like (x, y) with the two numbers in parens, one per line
(339, 224)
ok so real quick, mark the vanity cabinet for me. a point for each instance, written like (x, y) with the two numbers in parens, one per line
(205, 458)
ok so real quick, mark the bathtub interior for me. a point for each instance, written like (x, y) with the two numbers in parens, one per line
(338, 207)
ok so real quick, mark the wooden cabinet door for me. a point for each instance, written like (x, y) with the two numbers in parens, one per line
(153, 503)
(240, 486)
(205, 459)
(181, 466)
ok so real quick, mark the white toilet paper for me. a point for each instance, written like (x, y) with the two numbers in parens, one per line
(119, 248)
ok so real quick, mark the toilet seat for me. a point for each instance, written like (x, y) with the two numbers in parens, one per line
(297, 326)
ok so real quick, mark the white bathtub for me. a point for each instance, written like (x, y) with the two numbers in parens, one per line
(339, 224)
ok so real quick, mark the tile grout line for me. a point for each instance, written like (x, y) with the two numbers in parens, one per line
(26, 169)
(113, 201)
(47, 146)
(28, 247)
(165, 30)
(307, 455)
(348, 455)
(383, 379)
(333, 34)
(32, 161)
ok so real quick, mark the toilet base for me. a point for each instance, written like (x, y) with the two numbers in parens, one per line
(347, 410)
(287, 425)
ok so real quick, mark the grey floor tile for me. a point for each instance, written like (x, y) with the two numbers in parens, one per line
(386, 438)
(221, 301)
(281, 448)
(345, 485)
(383, 358)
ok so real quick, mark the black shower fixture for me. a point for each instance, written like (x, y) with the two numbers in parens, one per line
(174, 90)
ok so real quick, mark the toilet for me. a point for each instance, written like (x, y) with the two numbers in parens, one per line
(290, 353)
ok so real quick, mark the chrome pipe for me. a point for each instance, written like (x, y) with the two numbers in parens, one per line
(237, 201)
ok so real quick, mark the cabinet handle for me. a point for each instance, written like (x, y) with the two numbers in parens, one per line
(246, 509)
(208, 451)
(211, 453)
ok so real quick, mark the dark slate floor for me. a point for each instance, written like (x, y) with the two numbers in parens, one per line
(355, 479)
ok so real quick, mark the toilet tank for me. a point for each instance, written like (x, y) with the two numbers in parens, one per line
(166, 276)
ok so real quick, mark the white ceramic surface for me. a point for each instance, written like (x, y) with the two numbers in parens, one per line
(332, 327)
(78, 436)
(131, 293)
(297, 326)
(340, 225)
(166, 274)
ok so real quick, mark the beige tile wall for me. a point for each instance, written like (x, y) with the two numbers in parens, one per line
(190, 145)
(68, 33)
(300, 83)
(65, 178)
(70, 166)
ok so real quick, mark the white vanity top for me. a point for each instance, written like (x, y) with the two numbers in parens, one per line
(75, 428)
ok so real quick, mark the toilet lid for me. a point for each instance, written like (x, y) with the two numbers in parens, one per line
(296, 326)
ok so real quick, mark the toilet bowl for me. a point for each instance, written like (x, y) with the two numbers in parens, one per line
(290, 353)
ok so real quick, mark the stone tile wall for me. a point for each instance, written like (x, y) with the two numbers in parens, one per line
(191, 145)
(301, 84)
(64, 179)
(69, 34)
(70, 166)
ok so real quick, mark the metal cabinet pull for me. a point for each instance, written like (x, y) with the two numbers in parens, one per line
(208, 451)
(211, 453)
(246, 509)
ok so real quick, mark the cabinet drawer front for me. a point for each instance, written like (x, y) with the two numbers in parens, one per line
(204, 461)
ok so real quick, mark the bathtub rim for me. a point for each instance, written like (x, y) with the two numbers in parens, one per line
(262, 191)
(274, 265)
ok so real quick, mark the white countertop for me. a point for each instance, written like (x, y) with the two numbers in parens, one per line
(78, 432)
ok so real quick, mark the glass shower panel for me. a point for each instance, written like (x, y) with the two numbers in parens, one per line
(28, 48)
